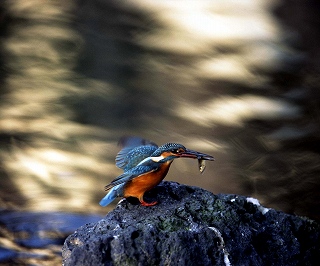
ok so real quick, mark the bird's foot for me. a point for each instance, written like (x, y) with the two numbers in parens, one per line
(143, 203)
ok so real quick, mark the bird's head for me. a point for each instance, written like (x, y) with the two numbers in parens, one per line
(171, 151)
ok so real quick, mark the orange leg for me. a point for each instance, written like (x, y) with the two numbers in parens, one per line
(143, 203)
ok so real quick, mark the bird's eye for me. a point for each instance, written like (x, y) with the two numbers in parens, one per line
(175, 150)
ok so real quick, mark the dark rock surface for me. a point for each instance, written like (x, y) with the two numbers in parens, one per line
(191, 226)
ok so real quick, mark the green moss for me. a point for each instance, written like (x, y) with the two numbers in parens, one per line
(124, 259)
(171, 224)
(219, 205)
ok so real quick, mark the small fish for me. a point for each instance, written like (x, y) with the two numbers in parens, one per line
(201, 165)
(201, 161)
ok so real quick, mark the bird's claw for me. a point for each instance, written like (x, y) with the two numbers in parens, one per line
(143, 203)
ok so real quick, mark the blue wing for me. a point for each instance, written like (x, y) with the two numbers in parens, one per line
(135, 149)
(117, 185)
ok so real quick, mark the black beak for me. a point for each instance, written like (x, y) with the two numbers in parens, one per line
(196, 155)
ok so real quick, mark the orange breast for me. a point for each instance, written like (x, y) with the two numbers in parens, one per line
(140, 184)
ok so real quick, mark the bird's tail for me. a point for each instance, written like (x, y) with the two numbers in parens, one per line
(112, 194)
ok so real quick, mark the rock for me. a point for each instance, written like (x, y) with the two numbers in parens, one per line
(191, 226)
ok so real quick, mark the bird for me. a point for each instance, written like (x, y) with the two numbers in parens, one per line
(145, 165)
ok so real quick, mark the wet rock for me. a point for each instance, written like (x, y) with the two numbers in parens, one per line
(191, 226)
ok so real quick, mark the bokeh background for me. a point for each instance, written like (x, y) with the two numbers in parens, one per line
(235, 79)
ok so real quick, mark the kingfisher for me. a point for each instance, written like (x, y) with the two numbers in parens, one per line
(145, 165)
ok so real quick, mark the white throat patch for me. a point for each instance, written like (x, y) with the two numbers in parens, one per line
(154, 159)
(157, 159)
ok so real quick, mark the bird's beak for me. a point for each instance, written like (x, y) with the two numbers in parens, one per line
(196, 155)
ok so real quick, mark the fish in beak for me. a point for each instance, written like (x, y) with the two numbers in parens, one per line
(202, 157)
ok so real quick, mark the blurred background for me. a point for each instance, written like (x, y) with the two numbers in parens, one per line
(235, 79)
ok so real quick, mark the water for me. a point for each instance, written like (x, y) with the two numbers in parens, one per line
(238, 81)
(37, 237)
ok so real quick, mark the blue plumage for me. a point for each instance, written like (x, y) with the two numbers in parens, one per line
(130, 157)
(112, 195)
(117, 185)
(141, 158)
